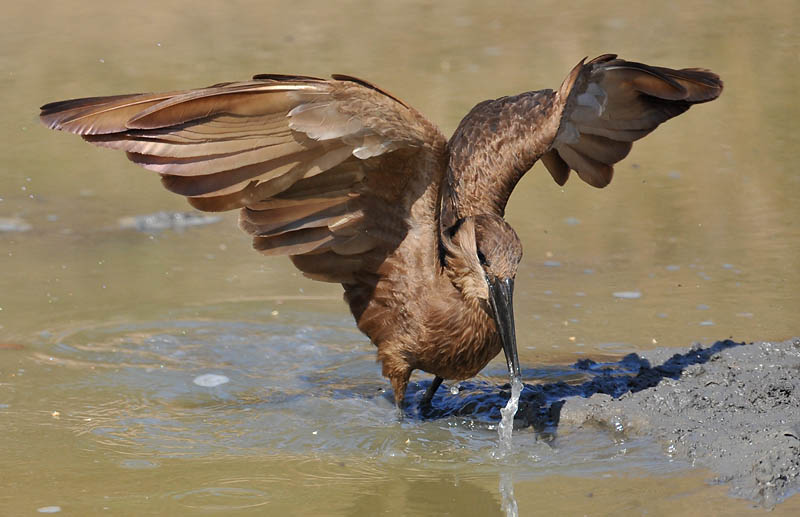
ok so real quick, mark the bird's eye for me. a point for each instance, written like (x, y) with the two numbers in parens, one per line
(482, 258)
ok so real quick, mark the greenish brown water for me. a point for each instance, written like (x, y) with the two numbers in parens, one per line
(104, 329)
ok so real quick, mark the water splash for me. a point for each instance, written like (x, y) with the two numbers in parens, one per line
(506, 425)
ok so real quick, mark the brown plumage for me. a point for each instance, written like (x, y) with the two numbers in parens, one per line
(360, 189)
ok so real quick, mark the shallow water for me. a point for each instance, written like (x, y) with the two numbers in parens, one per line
(106, 324)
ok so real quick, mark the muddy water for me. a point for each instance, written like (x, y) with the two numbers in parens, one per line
(106, 331)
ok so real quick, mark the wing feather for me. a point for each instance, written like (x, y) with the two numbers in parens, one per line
(310, 162)
(609, 103)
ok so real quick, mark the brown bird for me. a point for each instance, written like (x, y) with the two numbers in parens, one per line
(359, 188)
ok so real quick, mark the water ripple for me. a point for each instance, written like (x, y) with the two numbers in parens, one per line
(303, 391)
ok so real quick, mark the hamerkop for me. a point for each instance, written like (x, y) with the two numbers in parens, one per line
(359, 188)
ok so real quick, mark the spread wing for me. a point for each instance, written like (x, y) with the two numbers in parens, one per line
(325, 171)
(588, 125)
(609, 103)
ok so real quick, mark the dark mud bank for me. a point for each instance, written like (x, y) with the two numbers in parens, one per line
(732, 407)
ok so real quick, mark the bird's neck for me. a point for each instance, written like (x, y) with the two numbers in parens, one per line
(495, 144)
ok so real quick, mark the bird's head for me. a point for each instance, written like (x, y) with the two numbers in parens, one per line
(481, 256)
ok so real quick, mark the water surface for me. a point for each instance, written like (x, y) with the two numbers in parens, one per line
(104, 328)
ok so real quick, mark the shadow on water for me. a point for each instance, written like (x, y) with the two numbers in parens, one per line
(540, 405)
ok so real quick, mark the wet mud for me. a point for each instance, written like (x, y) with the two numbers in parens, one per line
(731, 407)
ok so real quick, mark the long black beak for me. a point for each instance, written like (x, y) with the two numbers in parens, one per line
(501, 298)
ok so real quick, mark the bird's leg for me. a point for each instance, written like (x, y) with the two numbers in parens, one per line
(396, 369)
(431, 391)
(399, 385)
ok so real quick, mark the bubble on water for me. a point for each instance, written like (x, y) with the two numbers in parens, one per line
(49, 509)
(210, 380)
(627, 295)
